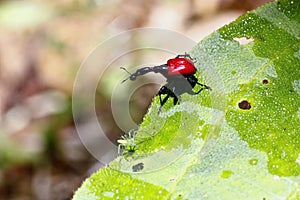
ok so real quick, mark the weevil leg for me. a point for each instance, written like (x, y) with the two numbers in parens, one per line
(186, 55)
(169, 93)
(163, 102)
(175, 100)
(205, 86)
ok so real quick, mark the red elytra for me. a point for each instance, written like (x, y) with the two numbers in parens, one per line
(181, 66)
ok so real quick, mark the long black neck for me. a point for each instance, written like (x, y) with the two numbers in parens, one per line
(162, 69)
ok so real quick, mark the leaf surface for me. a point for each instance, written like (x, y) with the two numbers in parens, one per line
(239, 141)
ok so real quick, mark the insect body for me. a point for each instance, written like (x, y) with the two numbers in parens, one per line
(180, 74)
(138, 167)
(127, 143)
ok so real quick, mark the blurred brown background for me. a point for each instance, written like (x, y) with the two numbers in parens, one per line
(42, 44)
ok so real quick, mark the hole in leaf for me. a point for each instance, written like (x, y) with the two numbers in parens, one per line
(244, 40)
(265, 81)
(245, 105)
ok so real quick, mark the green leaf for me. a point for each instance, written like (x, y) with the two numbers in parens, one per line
(239, 141)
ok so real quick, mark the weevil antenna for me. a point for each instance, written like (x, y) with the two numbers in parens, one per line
(127, 72)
